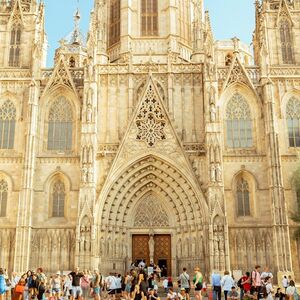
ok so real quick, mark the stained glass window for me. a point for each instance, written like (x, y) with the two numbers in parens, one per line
(149, 16)
(243, 198)
(58, 199)
(293, 121)
(14, 51)
(115, 22)
(7, 125)
(239, 123)
(286, 42)
(60, 125)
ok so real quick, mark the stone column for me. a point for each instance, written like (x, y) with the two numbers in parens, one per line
(281, 237)
(218, 227)
(24, 219)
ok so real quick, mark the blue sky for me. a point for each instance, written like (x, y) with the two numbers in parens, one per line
(229, 18)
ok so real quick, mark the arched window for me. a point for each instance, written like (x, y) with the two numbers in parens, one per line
(239, 123)
(286, 42)
(15, 42)
(243, 198)
(293, 121)
(7, 125)
(3, 197)
(58, 199)
(184, 20)
(60, 125)
(149, 16)
(114, 22)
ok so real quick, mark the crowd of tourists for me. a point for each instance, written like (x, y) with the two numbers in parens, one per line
(140, 284)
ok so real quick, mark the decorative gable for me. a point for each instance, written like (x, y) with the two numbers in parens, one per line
(61, 76)
(237, 74)
(284, 12)
(16, 15)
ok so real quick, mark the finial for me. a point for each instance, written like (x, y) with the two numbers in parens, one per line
(76, 33)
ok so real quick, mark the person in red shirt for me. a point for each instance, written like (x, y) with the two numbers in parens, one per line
(246, 283)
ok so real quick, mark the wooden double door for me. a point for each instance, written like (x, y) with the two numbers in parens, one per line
(162, 251)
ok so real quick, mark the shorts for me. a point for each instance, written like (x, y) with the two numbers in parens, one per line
(55, 290)
(76, 291)
(118, 291)
(187, 290)
(128, 288)
(112, 292)
(198, 287)
(96, 290)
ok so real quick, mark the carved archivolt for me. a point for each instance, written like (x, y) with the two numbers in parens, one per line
(150, 213)
(147, 175)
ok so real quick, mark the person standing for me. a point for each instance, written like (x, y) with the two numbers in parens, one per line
(269, 288)
(245, 284)
(3, 287)
(291, 291)
(14, 281)
(216, 285)
(285, 283)
(85, 284)
(96, 284)
(227, 283)
(198, 281)
(256, 281)
(184, 280)
(76, 289)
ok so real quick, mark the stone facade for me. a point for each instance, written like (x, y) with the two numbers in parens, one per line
(168, 132)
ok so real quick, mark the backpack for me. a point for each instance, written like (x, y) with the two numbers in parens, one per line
(263, 291)
(239, 283)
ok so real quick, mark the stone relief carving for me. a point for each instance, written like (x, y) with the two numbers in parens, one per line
(150, 120)
(150, 213)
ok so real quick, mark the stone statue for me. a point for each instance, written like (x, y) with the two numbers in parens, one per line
(84, 174)
(89, 113)
(151, 244)
(212, 173)
(212, 113)
(218, 173)
(90, 160)
(212, 96)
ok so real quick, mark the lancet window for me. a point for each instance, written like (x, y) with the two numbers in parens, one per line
(293, 121)
(114, 22)
(243, 198)
(58, 199)
(149, 16)
(60, 125)
(286, 42)
(7, 125)
(238, 123)
(15, 45)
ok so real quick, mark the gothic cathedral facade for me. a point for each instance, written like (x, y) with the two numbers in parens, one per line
(149, 132)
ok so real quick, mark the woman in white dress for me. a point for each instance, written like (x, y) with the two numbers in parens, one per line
(269, 288)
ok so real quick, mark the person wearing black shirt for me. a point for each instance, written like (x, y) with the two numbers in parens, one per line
(76, 289)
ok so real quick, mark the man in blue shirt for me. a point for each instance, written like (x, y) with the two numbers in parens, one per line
(216, 285)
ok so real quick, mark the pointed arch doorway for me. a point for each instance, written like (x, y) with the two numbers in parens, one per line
(161, 251)
(153, 246)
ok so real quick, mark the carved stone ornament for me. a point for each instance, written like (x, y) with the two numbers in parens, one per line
(150, 213)
(150, 120)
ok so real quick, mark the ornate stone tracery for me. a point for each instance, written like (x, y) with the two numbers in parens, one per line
(293, 108)
(150, 120)
(150, 213)
(238, 108)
